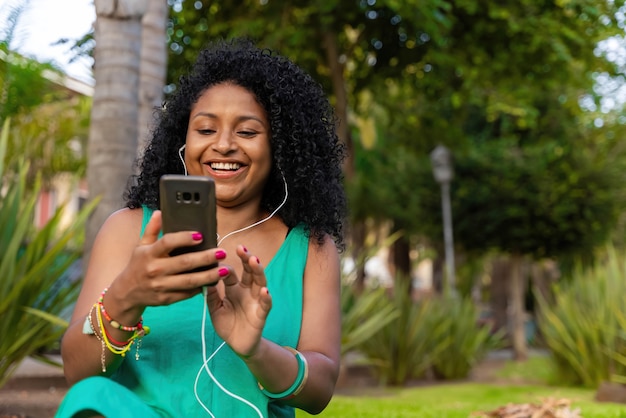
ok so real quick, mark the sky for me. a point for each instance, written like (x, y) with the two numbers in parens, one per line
(42, 23)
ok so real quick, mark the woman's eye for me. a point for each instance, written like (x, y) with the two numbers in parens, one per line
(206, 131)
(247, 134)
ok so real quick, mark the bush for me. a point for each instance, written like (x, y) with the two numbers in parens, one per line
(582, 328)
(363, 315)
(405, 348)
(32, 268)
(468, 341)
(439, 334)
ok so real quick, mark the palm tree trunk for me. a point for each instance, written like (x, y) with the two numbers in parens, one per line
(153, 67)
(113, 131)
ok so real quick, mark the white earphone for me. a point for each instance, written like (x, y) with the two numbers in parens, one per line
(182, 159)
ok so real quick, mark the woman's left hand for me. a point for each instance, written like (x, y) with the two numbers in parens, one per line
(239, 317)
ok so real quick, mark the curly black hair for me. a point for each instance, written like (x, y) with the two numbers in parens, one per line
(305, 146)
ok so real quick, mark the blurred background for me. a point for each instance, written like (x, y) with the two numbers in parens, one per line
(486, 170)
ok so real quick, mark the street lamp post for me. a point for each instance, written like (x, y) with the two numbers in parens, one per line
(441, 161)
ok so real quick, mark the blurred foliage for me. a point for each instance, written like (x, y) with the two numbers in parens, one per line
(53, 137)
(375, 39)
(363, 315)
(619, 355)
(439, 334)
(35, 287)
(22, 84)
(405, 349)
(584, 328)
(47, 135)
(545, 201)
(50, 122)
(469, 341)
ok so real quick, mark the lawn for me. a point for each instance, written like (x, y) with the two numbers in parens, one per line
(506, 382)
(459, 401)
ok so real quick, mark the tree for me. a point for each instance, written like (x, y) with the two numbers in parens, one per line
(506, 77)
(114, 116)
(153, 67)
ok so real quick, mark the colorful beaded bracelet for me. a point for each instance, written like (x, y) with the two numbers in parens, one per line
(113, 322)
(298, 384)
(116, 347)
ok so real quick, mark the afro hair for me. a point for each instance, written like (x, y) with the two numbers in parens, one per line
(305, 148)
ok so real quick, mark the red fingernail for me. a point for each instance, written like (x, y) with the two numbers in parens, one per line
(220, 255)
(245, 250)
(257, 260)
(197, 236)
(223, 272)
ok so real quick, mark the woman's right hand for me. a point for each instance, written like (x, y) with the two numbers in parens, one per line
(138, 273)
(152, 277)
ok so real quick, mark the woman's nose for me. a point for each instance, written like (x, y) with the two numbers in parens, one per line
(224, 142)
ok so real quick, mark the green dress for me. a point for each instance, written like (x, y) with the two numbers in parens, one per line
(168, 380)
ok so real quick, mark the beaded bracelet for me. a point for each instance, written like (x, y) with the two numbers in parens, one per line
(113, 322)
(298, 384)
(116, 347)
(107, 344)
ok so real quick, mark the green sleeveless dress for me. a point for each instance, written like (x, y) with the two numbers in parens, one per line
(169, 379)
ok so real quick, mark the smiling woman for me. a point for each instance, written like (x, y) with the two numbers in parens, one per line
(264, 132)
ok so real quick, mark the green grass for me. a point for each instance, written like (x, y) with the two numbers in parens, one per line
(537, 370)
(511, 382)
(458, 401)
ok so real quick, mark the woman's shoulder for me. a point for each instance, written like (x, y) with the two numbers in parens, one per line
(126, 215)
(322, 247)
(124, 221)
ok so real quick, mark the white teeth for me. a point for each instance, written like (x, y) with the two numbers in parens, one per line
(225, 166)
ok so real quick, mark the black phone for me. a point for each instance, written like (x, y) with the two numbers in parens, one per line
(188, 204)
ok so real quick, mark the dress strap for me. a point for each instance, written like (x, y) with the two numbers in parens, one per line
(147, 214)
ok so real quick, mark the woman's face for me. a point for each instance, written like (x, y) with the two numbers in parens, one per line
(228, 139)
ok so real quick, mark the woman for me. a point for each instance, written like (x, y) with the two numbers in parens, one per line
(265, 335)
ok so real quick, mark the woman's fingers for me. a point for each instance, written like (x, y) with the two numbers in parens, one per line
(178, 242)
(265, 302)
(253, 271)
(213, 299)
(164, 273)
(175, 253)
(151, 233)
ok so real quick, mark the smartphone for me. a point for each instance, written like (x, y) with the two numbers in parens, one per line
(188, 204)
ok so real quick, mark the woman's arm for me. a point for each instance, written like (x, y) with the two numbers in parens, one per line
(138, 272)
(110, 254)
(276, 368)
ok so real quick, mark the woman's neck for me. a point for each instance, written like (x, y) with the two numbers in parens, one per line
(239, 219)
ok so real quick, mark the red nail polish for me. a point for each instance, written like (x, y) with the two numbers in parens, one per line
(257, 260)
(220, 255)
(197, 236)
(245, 250)
(223, 272)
